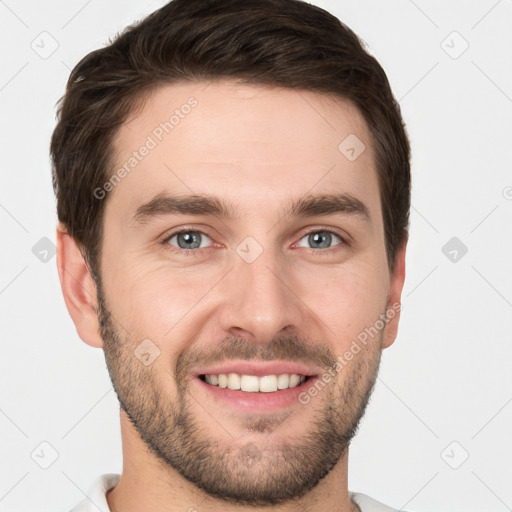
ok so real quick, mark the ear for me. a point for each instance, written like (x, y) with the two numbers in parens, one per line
(78, 288)
(396, 285)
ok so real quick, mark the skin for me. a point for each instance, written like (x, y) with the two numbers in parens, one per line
(257, 147)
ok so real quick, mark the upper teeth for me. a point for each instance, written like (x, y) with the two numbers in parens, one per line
(252, 383)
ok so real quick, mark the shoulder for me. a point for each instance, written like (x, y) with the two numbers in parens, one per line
(96, 496)
(367, 504)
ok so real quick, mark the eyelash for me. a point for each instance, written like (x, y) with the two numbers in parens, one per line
(198, 252)
(185, 252)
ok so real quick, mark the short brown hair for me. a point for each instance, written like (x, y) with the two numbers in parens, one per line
(287, 43)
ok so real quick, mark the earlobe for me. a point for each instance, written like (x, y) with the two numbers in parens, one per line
(78, 288)
(394, 299)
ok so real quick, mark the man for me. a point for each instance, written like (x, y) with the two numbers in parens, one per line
(233, 192)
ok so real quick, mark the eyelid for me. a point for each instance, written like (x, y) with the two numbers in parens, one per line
(185, 229)
(203, 236)
(324, 229)
(312, 229)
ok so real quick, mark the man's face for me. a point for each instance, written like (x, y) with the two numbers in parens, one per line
(266, 291)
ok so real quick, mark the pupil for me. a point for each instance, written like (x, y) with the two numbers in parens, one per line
(321, 237)
(187, 239)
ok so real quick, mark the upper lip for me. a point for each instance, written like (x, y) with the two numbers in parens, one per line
(258, 368)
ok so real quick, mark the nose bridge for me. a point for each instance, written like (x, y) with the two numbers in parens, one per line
(259, 301)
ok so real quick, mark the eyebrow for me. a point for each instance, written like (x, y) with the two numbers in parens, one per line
(308, 206)
(328, 204)
(165, 204)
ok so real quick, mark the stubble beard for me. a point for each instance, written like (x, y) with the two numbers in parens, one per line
(261, 472)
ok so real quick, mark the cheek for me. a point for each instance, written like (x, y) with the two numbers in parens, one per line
(348, 300)
(156, 302)
(170, 305)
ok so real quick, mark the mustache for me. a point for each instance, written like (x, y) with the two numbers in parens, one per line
(288, 348)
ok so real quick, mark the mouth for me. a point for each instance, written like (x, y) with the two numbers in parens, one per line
(256, 388)
(253, 383)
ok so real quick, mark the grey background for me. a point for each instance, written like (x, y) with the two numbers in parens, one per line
(436, 436)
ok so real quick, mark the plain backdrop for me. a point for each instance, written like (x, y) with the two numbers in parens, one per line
(436, 436)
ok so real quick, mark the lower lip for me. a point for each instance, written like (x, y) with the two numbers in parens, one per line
(256, 402)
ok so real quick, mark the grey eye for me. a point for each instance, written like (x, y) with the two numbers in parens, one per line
(189, 240)
(319, 239)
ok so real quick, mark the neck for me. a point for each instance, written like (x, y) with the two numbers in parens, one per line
(147, 483)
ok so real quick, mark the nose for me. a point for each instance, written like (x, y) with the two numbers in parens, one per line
(259, 300)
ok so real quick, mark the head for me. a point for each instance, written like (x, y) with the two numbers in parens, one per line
(233, 192)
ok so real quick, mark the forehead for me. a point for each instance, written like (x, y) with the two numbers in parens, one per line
(257, 145)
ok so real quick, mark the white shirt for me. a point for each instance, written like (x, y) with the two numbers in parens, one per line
(97, 501)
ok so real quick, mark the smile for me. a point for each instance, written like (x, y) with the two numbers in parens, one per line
(252, 386)
(254, 383)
